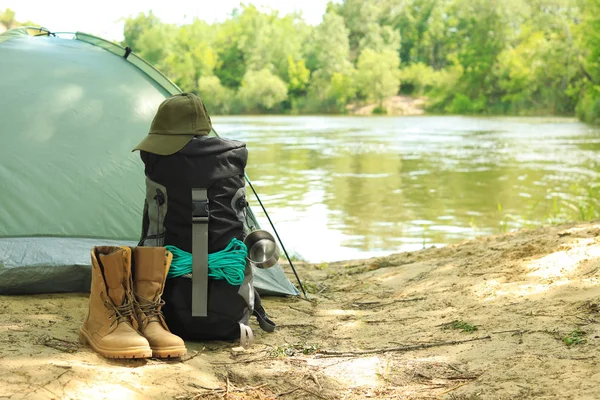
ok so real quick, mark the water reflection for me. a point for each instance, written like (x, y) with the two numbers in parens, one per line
(346, 187)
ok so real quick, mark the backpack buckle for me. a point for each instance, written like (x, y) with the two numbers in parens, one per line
(200, 212)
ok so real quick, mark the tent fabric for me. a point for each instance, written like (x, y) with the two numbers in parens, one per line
(71, 110)
(56, 264)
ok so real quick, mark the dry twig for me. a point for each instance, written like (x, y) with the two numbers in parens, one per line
(305, 390)
(314, 378)
(374, 304)
(301, 310)
(190, 357)
(297, 326)
(419, 346)
(454, 388)
(287, 392)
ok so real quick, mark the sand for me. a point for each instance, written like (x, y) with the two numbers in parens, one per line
(394, 105)
(506, 317)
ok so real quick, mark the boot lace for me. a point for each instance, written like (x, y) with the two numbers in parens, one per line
(152, 309)
(122, 313)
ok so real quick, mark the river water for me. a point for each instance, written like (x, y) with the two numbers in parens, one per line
(340, 188)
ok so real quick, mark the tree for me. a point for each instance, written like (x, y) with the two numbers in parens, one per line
(416, 20)
(473, 56)
(262, 90)
(156, 43)
(380, 38)
(298, 76)
(377, 75)
(254, 40)
(135, 27)
(343, 88)
(192, 55)
(7, 18)
(362, 18)
(216, 97)
(330, 51)
(588, 108)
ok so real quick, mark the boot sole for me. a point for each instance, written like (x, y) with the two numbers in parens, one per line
(169, 352)
(130, 352)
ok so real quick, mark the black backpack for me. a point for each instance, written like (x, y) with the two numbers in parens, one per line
(212, 167)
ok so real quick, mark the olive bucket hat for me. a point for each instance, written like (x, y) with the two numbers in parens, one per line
(179, 118)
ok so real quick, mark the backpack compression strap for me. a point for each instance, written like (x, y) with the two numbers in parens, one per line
(200, 215)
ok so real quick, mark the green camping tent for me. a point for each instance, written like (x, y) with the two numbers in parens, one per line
(72, 107)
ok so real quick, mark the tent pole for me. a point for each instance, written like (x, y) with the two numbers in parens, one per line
(272, 226)
(278, 238)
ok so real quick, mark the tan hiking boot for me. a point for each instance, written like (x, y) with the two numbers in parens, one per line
(110, 327)
(151, 265)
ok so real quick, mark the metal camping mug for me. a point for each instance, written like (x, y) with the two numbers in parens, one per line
(262, 249)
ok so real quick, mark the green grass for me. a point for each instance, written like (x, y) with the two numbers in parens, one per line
(460, 325)
(575, 337)
(289, 350)
(580, 203)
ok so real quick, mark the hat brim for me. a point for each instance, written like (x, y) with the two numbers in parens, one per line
(163, 145)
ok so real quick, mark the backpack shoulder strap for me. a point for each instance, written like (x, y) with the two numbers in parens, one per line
(200, 216)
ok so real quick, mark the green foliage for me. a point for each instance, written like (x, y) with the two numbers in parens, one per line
(216, 97)
(462, 104)
(191, 57)
(460, 325)
(343, 88)
(330, 50)
(135, 27)
(512, 57)
(588, 108)
(419, 78)
(155, 44)
(377, 75)
(298, 76)
(289, 350)
(262, 91)
(8, 19)
(379, 110)
(380, 38)
(575, 337)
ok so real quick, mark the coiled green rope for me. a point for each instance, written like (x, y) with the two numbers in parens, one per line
(228, 264)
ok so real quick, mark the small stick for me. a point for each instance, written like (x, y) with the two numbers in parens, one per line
(195, 385)
(288, 392)
(65, 341)
(301, 310)
(313, 393)
(385, 321)
(461, 377)
(297, 326)
(408, 299)
(456, 369)
(331, 353)
(454, 388)
(190, 357)
(508, 331)
(374, 304)
(314, 378)
(58, 347)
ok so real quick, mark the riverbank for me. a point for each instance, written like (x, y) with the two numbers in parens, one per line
(514, 316)
(393, 106)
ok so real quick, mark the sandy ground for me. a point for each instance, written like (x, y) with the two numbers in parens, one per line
(395, 105)
(507, 317)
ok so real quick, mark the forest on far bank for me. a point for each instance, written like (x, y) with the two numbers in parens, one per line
(509, 57)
